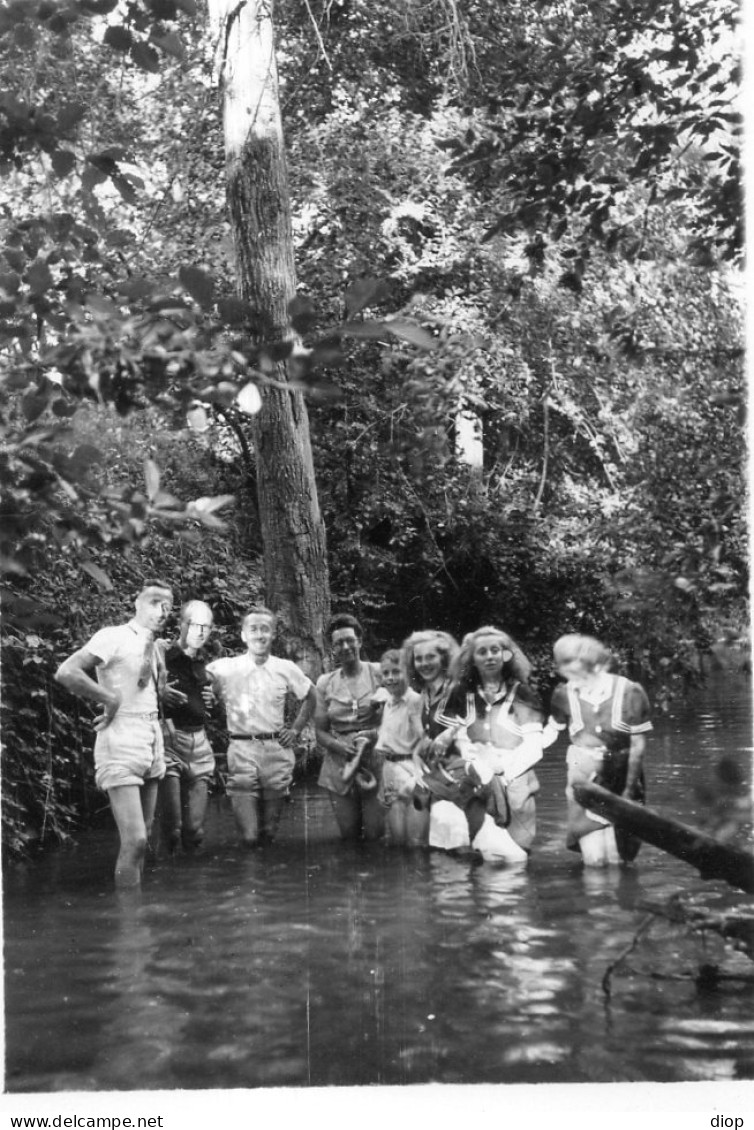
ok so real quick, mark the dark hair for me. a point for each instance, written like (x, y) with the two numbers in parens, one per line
(345, 620)
(154, 583)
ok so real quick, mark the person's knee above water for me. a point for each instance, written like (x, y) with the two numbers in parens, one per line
(607, 717)
(347, 718)
(189, 759)
(253, 688)
(121, 670)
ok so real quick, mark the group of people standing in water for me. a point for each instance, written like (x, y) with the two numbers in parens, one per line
(436, 745)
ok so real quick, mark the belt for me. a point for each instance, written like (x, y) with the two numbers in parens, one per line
(256, 737)
(398, 757)
(185, 729)
(150, 714)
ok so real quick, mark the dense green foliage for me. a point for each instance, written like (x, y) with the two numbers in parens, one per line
(526, 215)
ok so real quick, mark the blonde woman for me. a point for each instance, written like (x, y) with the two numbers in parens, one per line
(498, 720)
(607, 717)
(427, 658)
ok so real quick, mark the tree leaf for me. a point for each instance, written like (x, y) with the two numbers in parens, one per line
(145, 57)
(371, 330)
(118, 37)
(63, 162)
(365, 292)
(39, 277)
(233, 310)
(199, 284)
(98, 575)
(125, 188)
(209, 505)
(187, 6)
(171, 44)
(408, 331)
(69, 116)
(302, 313)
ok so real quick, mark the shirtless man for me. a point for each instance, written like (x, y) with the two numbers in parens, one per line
(121, 669)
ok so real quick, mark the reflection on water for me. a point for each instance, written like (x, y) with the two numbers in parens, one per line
(316, 963)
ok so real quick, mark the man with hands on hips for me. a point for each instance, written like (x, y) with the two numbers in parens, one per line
(122, 670)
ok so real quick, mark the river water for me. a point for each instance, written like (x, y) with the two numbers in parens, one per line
(313, 963)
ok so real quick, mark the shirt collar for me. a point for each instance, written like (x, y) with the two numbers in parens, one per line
(139, 630)
(601, 690)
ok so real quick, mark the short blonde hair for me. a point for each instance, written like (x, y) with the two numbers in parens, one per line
(260, 610)
(443, 641)
(584, 649)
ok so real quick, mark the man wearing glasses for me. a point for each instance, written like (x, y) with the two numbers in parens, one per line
(189, 760)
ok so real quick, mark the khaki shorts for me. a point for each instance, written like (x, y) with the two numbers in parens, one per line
(188, 755)
(129, 751)
(256, 766)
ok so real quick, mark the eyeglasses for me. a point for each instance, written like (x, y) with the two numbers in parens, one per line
(199, 627)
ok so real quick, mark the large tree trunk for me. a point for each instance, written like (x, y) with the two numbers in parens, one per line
(295, 562)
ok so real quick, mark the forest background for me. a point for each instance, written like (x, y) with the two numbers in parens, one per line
(507, 385)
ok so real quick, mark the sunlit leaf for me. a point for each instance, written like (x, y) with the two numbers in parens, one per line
(197, 419)
(249, 400)
(151, 478)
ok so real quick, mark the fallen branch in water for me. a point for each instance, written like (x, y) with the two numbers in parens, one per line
(713, 860)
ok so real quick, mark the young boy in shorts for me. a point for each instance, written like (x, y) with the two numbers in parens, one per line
(399, 742)
(121, 669)
(253, 688)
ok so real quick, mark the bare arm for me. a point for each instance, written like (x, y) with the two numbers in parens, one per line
(635, 759)
(75, 674)
(289, 734)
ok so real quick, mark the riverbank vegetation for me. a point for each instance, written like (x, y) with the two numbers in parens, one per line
(499, 379)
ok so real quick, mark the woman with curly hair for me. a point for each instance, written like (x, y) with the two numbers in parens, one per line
(427, 657)
(498, 720)
(608, 719)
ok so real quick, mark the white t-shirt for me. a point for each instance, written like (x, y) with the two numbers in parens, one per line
(121, 650)
(254, 694)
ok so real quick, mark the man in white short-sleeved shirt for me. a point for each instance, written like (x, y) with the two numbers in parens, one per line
(121, 669)
(253, 688)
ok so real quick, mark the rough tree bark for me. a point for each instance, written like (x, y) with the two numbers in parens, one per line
(295, 561)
